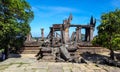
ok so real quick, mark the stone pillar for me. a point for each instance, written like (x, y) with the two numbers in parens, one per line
(77, 34)
(42, 33)
(86, 34)
(53, 35)
(91, 33)
(62, 36)
(73, 36)
(66, 35)
(80, 34)
(66, 31)
(28, 37)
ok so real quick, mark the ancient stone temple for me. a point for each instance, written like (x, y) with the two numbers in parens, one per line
(64, 30)
(59, 46)
(89, 29)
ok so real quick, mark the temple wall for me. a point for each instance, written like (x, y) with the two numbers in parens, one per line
(92, 49)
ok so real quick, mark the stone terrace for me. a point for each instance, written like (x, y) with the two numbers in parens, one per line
(32, 65)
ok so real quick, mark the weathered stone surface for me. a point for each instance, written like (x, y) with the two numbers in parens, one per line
(41, 70)
(55, 67)
(65, 53)
(31, 65)
(76, 69)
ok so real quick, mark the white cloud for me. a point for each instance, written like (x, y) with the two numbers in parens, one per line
(45, 11)
(58, 8)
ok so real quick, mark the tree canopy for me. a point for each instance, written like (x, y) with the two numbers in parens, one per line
(109, 30)
(15, 16)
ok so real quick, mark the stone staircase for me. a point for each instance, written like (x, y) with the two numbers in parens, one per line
(33, 50)
(30, 48)
(48, 53)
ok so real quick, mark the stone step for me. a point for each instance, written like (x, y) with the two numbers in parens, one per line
(30, 48)
(92, 49)
(29, 51)
(34, 52)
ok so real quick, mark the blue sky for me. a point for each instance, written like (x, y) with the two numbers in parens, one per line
(48, 12)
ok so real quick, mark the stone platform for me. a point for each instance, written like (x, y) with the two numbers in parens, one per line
(32, 65)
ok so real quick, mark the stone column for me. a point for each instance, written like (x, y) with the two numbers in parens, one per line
(73, 36)
(80, 33)
(66, 31)
(62, 36)
(77, 34)
(91, 33)
(66, 35)
(42, 33)
(53, 35)
(28, 37)
(86, 34)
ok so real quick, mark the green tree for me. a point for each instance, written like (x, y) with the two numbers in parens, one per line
(15, 16)
(109, 32)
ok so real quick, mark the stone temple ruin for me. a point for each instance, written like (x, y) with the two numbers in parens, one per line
(76, 36)
(58, 46)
